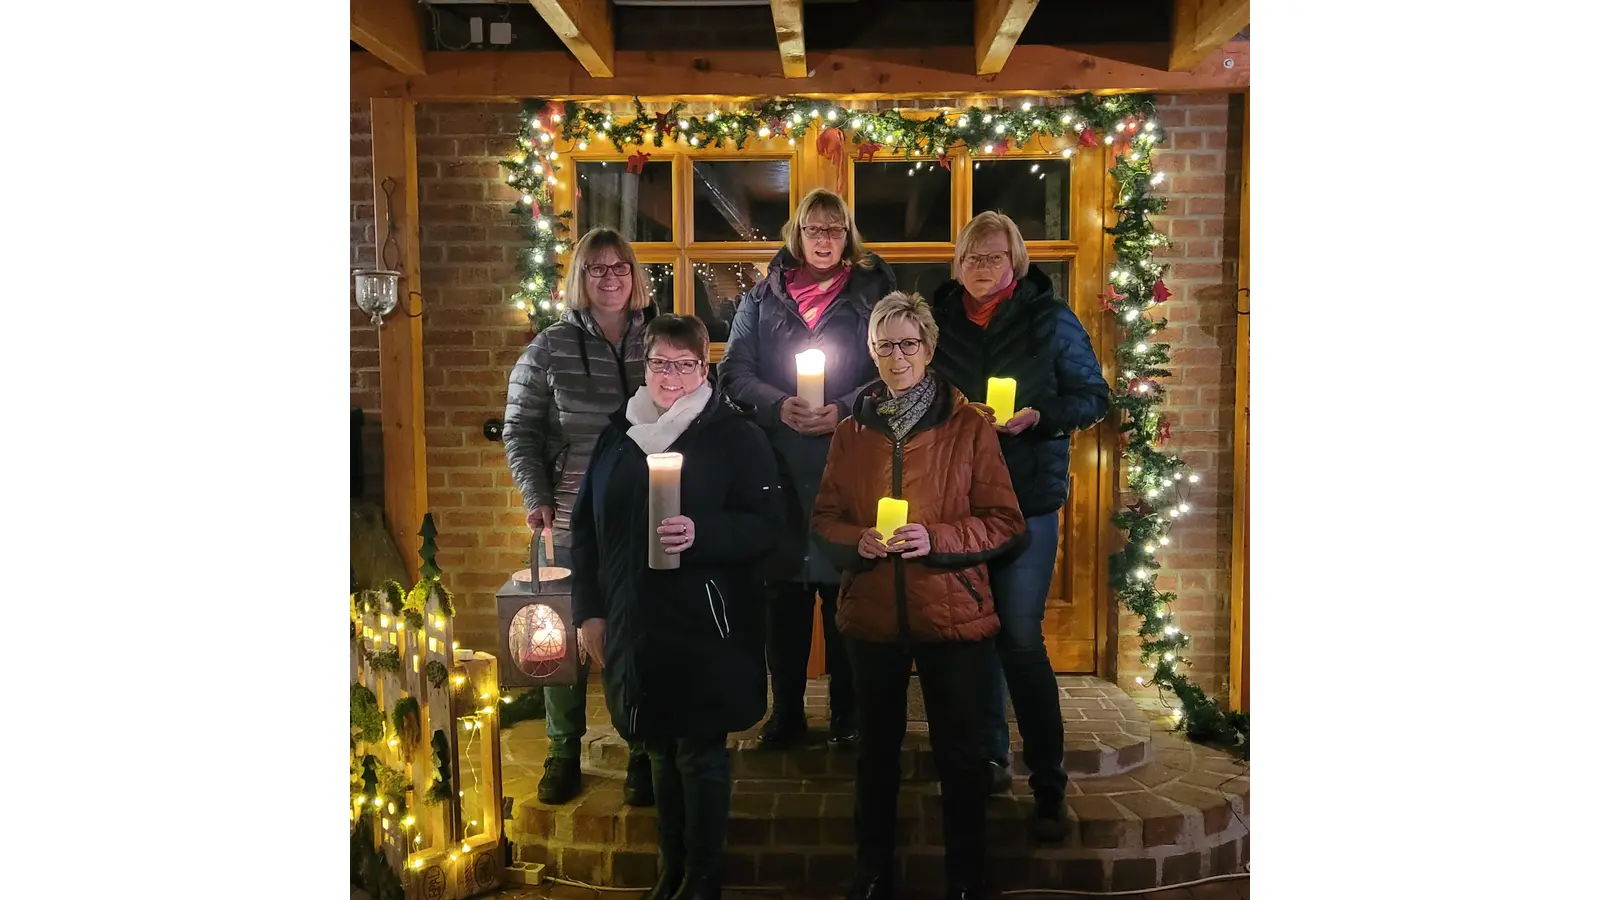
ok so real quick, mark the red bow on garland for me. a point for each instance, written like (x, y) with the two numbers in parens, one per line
(1159, 293)
(534, 209)
(1002, 148)
(1109, 298)
(636, 162)
(1164, 430)
(550, 111)
(1086, 138)
(663, 122)
(944, 161)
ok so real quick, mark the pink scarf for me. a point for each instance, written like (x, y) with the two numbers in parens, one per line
(811, 296)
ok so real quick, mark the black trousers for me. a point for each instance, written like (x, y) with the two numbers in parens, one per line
(694, 791)
(952, 676)
(789, 649)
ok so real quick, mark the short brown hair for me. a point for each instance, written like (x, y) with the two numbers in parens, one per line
(986, 223)
(830, 206)
(684, 332)
(577, 297)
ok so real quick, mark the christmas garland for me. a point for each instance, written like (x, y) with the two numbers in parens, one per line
(1126, 123)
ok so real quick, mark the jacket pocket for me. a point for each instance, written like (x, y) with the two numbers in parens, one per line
(719, 608)
(967, 583)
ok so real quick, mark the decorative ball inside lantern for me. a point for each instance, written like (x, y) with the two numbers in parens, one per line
(538, 640)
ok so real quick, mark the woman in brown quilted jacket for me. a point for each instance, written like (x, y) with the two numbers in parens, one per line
(923, 594)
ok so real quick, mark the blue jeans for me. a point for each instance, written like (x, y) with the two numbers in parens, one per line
(1021, 664)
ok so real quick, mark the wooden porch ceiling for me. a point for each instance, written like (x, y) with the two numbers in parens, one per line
(1199, 57)
(690, 75)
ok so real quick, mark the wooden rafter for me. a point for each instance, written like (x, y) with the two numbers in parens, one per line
(585, 27)
(389, 30)
(997, 25)
(787, 19)
(1239, 607)
(1199, 27)
(842, 74)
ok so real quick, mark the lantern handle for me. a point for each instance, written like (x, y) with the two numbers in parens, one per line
(535, 564)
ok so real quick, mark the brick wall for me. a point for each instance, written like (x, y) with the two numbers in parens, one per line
(1201, 159)
(471, 338)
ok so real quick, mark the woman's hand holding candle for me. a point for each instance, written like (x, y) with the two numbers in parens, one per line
(677, 533)
(1022, 421)
(910, 541)
(871, 545)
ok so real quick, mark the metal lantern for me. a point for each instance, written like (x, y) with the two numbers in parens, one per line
(377, 292)
(538, 639)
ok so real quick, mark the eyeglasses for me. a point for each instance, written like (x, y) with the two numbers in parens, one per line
(834, 232)
(986, 260)
(908, 347)
(618, 269)
(675, 366)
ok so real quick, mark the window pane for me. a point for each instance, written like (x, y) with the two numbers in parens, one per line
(741, 201)
(662, 284)
(717, 286)
(638, 206)
(1035, 193)
(921, 277)
(1060, 273)
(901, 201)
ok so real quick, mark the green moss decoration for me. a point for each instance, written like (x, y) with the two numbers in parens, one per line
(439, 790)
(395, 595)
(407, 722)
(365, 714)
(386, 660)
(437, 674)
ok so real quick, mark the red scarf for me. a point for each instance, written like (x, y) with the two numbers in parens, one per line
(981, 311)
(812, 298)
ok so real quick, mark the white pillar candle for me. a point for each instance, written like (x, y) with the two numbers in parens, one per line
(808, 369)
(666, 496)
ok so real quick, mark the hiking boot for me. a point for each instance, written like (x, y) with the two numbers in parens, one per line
(561, 782)
(1049, 820)
(999, 777)
(638, 789)
(779, 734)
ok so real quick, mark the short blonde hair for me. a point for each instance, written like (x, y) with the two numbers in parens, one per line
(576, 293)
(901, 305)
(985, 224)
(830, 206)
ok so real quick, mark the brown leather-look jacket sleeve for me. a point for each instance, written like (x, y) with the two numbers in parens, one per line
(995, 525)
(833, 521)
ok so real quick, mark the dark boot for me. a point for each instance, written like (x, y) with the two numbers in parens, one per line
(638, 789)
(871, 886)
(562, 780)
(1049, 821)
(781, 733)
(700, 886)
(670, 879)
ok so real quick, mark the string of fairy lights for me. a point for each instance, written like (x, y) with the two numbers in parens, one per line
(1126, 124)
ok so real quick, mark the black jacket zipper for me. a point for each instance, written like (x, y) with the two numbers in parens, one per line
(901, 612)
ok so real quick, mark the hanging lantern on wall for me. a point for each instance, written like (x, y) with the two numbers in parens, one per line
(377, 292)
(538, 639)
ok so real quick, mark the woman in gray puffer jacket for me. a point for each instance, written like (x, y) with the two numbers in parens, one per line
(564, 389)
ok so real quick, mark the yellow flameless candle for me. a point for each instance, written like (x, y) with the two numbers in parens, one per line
(1003, 399)
(808, 374)
(891, 515)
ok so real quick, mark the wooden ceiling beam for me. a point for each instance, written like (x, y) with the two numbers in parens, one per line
(997, 25)
(1200, 27)
(854, 74)
(790, 25)
(391, 31)
(585, 27)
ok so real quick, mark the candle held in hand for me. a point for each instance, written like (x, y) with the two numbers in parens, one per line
(1003, 399)
(666, 496)
(808, 369)
(891, 515)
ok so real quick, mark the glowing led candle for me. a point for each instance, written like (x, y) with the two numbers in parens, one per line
(808, 368)
(891, 515)
(1003, 399)
(666, 495)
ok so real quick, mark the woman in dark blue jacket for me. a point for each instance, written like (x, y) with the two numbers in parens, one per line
(682, 648)
(818, 293)
(1002, 319)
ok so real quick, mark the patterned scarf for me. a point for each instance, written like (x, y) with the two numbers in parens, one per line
(812, 298)
(905, 411)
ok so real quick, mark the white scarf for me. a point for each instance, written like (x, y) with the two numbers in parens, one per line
(654, 430)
